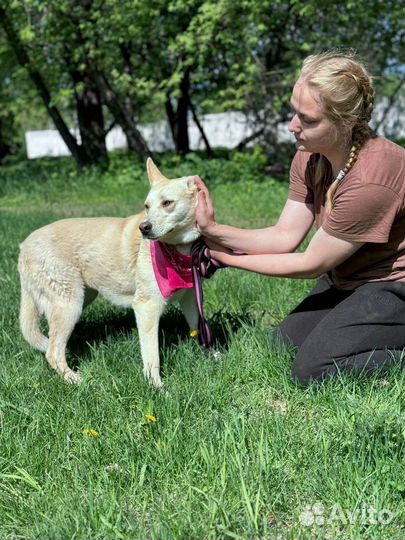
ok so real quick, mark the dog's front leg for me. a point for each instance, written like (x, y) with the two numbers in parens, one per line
(188, 305)
(147, 312)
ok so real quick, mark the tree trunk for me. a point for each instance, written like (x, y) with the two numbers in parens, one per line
(5, 148)
(128, 69)
(390, 104)
(22, 56)
(90, 118)
(178, 119)
(183, 141)
(123, 116)
(171, 117)
(201, 130)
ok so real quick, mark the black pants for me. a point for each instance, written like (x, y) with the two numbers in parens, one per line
(360, 331)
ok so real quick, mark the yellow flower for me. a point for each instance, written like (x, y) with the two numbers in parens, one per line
(194, 333)
(151, 418)
(91, 432)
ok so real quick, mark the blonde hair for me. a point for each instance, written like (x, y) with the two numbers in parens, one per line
(347, 94)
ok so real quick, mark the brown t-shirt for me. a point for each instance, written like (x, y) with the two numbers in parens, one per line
(368, 207)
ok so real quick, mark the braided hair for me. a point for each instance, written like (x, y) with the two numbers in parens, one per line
(347, 93)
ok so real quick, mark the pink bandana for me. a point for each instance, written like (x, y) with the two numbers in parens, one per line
(172, 269)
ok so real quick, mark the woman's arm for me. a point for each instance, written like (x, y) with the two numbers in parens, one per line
(285, 236)
(324, 253)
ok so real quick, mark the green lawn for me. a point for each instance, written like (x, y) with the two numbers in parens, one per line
(237, 449)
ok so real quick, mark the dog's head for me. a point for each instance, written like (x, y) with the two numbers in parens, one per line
(170, 208)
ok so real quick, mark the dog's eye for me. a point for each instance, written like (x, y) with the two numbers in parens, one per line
(165, 204)
(146, 207)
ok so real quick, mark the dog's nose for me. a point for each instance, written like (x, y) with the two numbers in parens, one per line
(145, 227)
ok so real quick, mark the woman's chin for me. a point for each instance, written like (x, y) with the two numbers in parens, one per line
(301, 147)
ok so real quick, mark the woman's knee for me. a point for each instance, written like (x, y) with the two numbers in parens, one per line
(308, 368)
(300, 374)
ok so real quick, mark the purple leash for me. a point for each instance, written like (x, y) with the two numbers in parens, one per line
(202, 266)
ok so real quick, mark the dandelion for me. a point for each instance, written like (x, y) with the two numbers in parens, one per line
(151, 418)
(91, 432)
(37, 385)
(194, 333)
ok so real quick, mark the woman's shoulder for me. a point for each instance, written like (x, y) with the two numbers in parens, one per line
(379, 145)
(381, 162)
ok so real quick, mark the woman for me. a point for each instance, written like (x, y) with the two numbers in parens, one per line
(351, 184)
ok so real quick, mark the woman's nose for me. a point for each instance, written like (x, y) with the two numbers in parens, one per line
(294, 124)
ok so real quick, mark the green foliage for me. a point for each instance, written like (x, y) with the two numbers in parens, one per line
(51, 180)
(238, 166)
(19, 106)
(242, 54)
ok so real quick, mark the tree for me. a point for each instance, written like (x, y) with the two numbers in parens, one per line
(97, 62)
(35, 75)
(160, 75)
(61, 38)
(249, 51)
(152, 73)
(100, 52)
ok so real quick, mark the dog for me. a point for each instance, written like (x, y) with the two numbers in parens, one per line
(66, 264)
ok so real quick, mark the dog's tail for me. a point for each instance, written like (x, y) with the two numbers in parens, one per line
(29, 322)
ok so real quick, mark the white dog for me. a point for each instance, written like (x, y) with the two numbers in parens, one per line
(64, 265)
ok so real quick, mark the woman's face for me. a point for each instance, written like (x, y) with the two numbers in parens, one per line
(313, 131)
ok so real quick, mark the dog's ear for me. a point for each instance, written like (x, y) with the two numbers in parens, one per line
(154, 174)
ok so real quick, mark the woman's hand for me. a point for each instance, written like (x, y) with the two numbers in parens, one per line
(205, 213)
(220, 253)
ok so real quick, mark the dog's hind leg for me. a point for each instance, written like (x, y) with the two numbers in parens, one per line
(147, 313)
(62, 317)
(29, 322)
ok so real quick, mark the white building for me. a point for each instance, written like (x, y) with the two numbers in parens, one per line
(226, 129)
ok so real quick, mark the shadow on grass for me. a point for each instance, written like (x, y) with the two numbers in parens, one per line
(173, 330)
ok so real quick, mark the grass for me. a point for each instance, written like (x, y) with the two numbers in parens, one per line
(237, 449)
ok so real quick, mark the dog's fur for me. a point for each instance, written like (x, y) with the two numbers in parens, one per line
(64, 265)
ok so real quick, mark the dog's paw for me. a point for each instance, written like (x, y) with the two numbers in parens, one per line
(156, 383)
(72, 377)
(153, 377)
